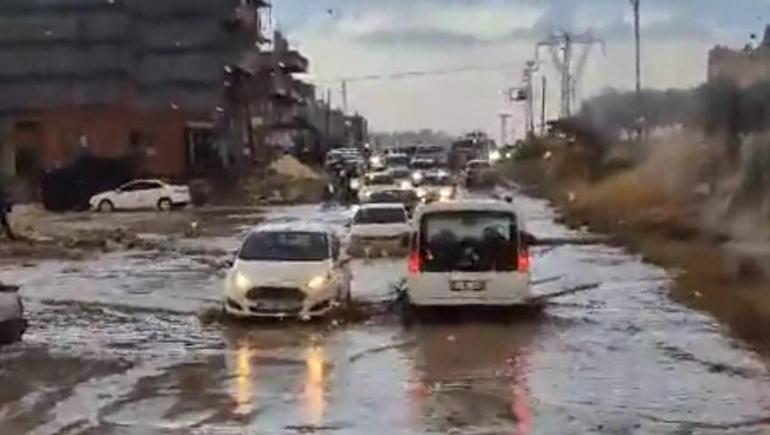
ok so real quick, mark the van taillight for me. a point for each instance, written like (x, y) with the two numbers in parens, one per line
(414, 262)
(525, 261)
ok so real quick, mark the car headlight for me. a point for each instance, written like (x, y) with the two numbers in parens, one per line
(355, 184)
(421, 192)
(317, 282)
(406, 185)
(417, 177)
(241, 281)
(446, 193)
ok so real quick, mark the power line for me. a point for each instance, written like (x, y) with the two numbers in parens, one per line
(418, 73)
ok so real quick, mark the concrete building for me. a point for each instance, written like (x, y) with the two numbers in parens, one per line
(118, 76)
(745, 67)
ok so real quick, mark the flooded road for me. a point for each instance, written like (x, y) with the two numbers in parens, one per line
(117, 345)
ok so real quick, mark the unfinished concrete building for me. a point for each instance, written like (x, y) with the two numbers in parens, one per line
(117, 77)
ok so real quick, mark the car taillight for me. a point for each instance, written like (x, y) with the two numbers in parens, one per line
(525, 261)
(414, 262)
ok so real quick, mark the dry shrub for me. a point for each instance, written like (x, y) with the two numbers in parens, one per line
(653, 196)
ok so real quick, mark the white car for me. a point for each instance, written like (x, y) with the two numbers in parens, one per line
(374, 182)
(468, 253)
(12, 322)
(141, 194)
(383, 226)
(436, 186)
(288, 270)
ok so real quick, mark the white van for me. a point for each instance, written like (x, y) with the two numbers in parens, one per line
(468, 253)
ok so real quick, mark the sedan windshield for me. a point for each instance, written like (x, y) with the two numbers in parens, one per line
(285, 246)
(396, 161)
(379, 180)
(380, 216)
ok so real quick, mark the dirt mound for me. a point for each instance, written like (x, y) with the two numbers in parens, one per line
(286, 181)
(291, 167)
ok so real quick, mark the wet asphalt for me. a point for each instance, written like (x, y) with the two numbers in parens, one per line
(131, 343)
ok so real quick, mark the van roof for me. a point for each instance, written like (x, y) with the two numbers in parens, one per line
(466, 205)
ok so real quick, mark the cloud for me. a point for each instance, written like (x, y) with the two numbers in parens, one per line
(363, 37)
(424, 38)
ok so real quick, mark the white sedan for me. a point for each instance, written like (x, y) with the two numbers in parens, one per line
(288, 270)
(12, 322)
(380, 226)
(141, 194)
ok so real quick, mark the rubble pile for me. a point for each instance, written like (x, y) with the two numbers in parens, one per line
(286, 181)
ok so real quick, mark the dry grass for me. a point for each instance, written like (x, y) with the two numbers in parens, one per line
(653, 209)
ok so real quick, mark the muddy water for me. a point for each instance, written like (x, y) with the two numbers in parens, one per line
(116, 346)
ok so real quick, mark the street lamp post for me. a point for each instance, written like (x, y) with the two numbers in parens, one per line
(637, 38)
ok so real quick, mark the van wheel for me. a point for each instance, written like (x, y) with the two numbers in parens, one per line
(406, 311)
(106, 206)
(165, 204)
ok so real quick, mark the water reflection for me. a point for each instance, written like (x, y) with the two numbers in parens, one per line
(244, 379)
(315, 379)
(471, 376)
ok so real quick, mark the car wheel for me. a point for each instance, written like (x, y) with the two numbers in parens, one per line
(165, 204)
(106, 206)
(406, 311)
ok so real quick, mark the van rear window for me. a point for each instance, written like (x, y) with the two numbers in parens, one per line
(474, 241)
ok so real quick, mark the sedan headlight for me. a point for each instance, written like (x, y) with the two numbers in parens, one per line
(446, 193)
(406, 185)
(417, 177)
(317, 282)
(355, 184)
(242, 282)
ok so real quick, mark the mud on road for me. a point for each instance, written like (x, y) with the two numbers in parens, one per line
(116, 345)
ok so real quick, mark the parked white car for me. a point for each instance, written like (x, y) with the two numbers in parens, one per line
(12, 322)
(383, 226)
(468, 253)
(288, 270)
(141, 194)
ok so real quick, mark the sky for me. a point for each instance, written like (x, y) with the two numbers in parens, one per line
(351, 38)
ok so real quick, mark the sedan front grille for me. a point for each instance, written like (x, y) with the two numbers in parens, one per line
(275, 293)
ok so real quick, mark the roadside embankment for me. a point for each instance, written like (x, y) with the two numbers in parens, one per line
(661, 208)
(80, 235)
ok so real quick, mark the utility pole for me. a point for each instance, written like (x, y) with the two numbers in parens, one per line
(637, 39)
(542, 109)
(328, 114)
(504, 117)
(344, 85)
(561, 46)
(529, 71)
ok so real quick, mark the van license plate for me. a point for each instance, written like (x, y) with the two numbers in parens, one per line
(468, 286)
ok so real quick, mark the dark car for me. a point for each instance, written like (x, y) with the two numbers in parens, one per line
(479, 174)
